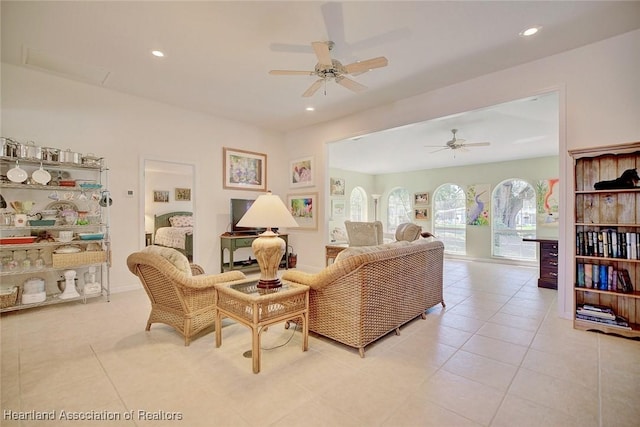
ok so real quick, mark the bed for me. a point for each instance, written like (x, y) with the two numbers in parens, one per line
(178, 235)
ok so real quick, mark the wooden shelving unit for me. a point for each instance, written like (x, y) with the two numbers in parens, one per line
(598, 210)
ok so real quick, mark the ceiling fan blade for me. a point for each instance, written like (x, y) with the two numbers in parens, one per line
(366, 65)
(477, 144)
(291, 73)
(350, 84)
(313, 88)
(445, 148)
(435, 146)
(322, 52)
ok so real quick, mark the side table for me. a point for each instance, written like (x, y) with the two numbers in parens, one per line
(258, 308)
(332, 251)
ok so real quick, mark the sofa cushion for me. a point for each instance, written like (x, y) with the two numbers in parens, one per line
(173, 256)
(359, 250)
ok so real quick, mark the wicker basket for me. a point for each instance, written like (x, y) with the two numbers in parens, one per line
(79, 258)
(9, 299)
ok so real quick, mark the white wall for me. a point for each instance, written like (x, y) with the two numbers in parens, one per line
(599, 103)
(124, 129)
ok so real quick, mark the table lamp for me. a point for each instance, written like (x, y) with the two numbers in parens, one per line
(268, 211)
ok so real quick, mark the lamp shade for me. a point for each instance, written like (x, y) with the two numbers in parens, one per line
(268, 211)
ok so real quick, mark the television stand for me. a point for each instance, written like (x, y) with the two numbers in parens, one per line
(236, 241)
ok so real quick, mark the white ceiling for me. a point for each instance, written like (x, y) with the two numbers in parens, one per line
(218, 54)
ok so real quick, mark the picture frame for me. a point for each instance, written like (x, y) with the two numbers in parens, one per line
(336, 186)
(421, 199)
(304, 209)
(301, 172)
(161, 196)
(338, 207)
(182, 195)
(244, 170)
(421, 214)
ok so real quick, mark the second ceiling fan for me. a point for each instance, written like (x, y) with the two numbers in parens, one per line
(457, 144)
(328, 68)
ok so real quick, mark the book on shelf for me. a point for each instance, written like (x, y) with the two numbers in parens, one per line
(608, 243)
(624, 281)
(618, 322)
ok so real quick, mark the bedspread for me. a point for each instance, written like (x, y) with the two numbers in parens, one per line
(173, 237)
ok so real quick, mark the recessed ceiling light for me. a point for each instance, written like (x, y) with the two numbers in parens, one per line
(310, 109)
(529, 31)
(157, 53)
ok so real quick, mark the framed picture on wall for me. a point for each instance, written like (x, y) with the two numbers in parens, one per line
(421, 199)
(183, 194)
(161, 196)
(301, 172)
(304, 208)
(244, 170)
(422, 214)
(337, 186)
(337, 208)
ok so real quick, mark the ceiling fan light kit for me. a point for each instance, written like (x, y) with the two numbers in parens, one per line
(328, 68)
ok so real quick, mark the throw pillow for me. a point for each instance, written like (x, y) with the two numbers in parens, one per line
(173, 256)
(181, 221)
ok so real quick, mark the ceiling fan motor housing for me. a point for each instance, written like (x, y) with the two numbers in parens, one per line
(325, 71)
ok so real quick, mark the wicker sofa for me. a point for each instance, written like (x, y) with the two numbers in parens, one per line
(370, 291)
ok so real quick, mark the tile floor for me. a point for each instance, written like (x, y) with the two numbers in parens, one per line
(498, 355)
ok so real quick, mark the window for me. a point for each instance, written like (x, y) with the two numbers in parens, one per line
(514, 218)
(398, 209)
(358, 205)
(450, 218)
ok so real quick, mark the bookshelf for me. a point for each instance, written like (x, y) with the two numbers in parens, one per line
(607, 240)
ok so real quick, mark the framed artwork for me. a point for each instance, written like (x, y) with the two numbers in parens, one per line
(337, 208)
(337, 186)
(420, 199)
(161, 196)
(183, 195)
(244, 170)
(304, 208)
(422, 214)
(301, 172)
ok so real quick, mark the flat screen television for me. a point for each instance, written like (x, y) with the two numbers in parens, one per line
(238, 208)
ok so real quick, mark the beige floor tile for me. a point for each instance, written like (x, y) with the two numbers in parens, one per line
(516, 411)
(464, 323)
(582, 370)
(506, 333)
(496, 349)
(465, 397)
(317, 413)
(571, 398)
(415, 411)
(519, 322)
(481, 369)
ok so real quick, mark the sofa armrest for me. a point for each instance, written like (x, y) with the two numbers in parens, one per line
(319, 280)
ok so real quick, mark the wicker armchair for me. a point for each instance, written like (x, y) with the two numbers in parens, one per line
(181, 295)
(408, 232)
(364, 233)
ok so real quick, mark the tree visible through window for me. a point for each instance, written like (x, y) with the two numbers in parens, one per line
(514, 218)
(398, 209)
(358, 205)
(449, 223)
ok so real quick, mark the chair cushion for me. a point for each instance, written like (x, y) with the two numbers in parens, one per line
(408, 231)
(173, 256)
(359, 250)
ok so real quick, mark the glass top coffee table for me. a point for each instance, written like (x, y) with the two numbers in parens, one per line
(258, 308)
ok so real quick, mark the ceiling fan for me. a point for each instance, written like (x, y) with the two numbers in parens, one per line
(328, 68)
(458, 144)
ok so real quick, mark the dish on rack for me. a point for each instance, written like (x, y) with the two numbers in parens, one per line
(60, 206)
(90, 236)
(90, 186)
(17, 240)
(68, 249)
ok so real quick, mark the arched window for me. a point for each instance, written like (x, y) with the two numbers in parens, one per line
(450, 218)
(513, 218)
(358, 205)
(398, 209)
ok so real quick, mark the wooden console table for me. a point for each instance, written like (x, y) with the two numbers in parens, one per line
(332, 251)
(548, 277)
(233, 242)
